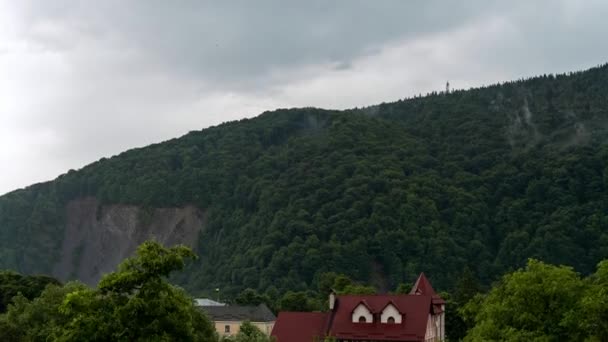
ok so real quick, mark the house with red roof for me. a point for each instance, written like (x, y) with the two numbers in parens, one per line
(415, 317)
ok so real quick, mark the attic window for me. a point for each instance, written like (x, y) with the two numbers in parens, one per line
(391, 315)
(362, 314)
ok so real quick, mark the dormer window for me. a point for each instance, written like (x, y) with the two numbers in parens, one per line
(390, 314)
(362, 314)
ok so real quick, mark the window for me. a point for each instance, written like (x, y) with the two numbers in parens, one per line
(362, 314)
(227, 329)
(391, 315)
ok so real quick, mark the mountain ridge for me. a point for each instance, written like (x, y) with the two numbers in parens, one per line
(484, 177)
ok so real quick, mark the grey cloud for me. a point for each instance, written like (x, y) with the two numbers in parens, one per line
(86, 79)
(234, 41)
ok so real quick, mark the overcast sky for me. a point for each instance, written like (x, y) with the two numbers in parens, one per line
(80, 80)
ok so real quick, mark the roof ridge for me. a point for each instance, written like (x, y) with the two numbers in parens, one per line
(365, 295)
(423, 286)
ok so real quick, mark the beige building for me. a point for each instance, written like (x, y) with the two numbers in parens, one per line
(228, 319)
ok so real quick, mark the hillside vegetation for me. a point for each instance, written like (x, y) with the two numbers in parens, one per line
(133, 303)
(483, 179)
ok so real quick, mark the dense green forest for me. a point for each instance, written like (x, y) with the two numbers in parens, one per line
(134, 303)
(30, 287)
(481, 179)
(539, 302)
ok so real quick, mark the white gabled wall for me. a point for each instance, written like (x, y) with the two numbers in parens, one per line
(390, 311)
(442, 323)
(430, 329)
(362, 310)
(435, 328)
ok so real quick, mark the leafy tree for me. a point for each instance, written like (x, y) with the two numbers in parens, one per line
(358, 290)
(251, 297)
(403, 289)
(30, 287)
(295, 301)
(249, 333)
(136, 303)
(467, 287)
(591, 314)
(325, 283)
(530, 304)
(341, 283)
(39, 318)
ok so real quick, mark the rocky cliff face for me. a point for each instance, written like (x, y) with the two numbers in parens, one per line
(98, 237)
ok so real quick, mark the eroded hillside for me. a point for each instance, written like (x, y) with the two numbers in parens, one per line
(97, 237)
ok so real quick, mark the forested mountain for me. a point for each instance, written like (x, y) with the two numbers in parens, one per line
(483, 178)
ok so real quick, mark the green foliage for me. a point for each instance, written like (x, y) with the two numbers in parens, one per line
(296, 301)
(403, 289)
(541, 303)
(341, 283)
(136, 303)
(591, 314)
(39, 318)
(467, 287)
(484, 178)
(594, 304)
(251, 297)
(358, 290)
(30, 287)
(248, 333)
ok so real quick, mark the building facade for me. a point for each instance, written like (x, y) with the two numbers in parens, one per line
(228, 319)
(415, 317)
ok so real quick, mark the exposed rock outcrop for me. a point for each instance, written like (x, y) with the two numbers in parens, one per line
(98, 237)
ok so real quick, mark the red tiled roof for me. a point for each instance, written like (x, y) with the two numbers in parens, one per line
(423, 286)
(390, 302)
(415, 310)
(300, 326)
(364, 303)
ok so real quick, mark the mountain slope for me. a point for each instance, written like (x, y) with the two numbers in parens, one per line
(483, 178)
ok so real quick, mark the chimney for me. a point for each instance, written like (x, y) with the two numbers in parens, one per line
(332, 300)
